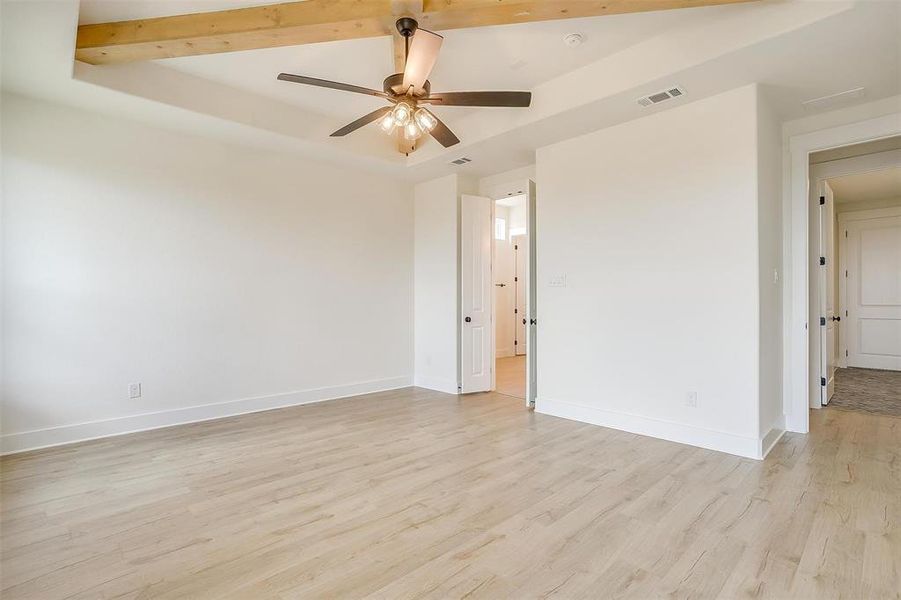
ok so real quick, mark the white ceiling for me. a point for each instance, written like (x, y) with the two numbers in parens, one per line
(867, 187)
(883, 145)
(796, 50)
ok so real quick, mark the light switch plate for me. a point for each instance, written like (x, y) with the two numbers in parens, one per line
(134, 390)
(557, 281)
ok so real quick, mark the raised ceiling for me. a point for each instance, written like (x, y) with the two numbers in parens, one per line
(509, 57)
(795, 50)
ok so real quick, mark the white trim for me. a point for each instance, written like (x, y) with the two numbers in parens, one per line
(11, 443)
(438, 384)
(748, 447)
(770, 440)
(796, 370)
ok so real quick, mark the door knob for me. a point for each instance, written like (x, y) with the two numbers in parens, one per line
(468, 320)
(836, 318)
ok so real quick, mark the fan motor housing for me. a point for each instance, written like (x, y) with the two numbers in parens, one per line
(394, 85)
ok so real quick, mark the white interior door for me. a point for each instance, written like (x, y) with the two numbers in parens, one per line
(476, 354)
(828, 317)
(874, 293)
(521, 263)
(532, 302)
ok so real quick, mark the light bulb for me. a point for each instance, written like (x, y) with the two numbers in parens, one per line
(425, 119)
(402, 113)
(411, 130)
(387, 123)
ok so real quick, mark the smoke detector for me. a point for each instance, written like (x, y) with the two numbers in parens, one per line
(573, 39)
(663, 96)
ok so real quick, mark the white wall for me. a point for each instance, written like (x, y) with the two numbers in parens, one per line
(769, 223)
(654, 225)
(436, 275)
(223, 279)
(507, 182)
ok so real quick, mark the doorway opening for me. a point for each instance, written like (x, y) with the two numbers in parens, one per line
(510, 274)
(855, 277)
(508, 228)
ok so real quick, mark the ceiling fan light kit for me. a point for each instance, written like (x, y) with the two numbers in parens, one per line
(407, 90)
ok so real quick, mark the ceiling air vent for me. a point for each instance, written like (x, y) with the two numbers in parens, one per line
(833, 99)
(659, 97)
(461, 161)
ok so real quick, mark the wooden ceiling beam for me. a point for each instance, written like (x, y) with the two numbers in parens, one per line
(312, 21)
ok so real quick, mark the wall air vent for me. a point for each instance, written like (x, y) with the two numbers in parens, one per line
(461, 161)
(659, 97)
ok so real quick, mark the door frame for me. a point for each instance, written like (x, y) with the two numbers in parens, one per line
(819, 174)
(525, 186)
(796, 368)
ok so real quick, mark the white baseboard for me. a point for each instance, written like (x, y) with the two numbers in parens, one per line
(769, 440)
(67, 434)
(748, 447)
(439, 384)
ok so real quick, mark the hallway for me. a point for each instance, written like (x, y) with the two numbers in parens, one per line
(868, 390)
(511, 376)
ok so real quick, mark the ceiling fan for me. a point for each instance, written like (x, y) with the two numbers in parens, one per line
(408, 91)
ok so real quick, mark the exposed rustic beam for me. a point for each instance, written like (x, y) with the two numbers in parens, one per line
(295, 23)
(270, 26)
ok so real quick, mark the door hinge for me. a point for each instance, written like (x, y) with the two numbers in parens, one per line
(822, 320)
(515, 311)
(515, 342)
(822, 200)
(533, 322)
(822, 260)
(516, 279)
(846, 313)
(846, 233)
(846, 273)
(823, 381)
(516, 246)
(846, 353)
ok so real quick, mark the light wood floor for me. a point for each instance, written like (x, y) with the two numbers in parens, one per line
(510, 376)
(413, 493)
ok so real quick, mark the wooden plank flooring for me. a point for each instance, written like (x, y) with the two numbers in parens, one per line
(417, 494)
(510, 378)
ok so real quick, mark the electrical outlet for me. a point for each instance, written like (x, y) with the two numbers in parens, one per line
(134, 390)
(691, 400)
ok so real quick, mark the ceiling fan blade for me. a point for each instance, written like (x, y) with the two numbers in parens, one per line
(335, 85)
(441, 133)
(421, 58)
(364, 120)
(510, 99)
